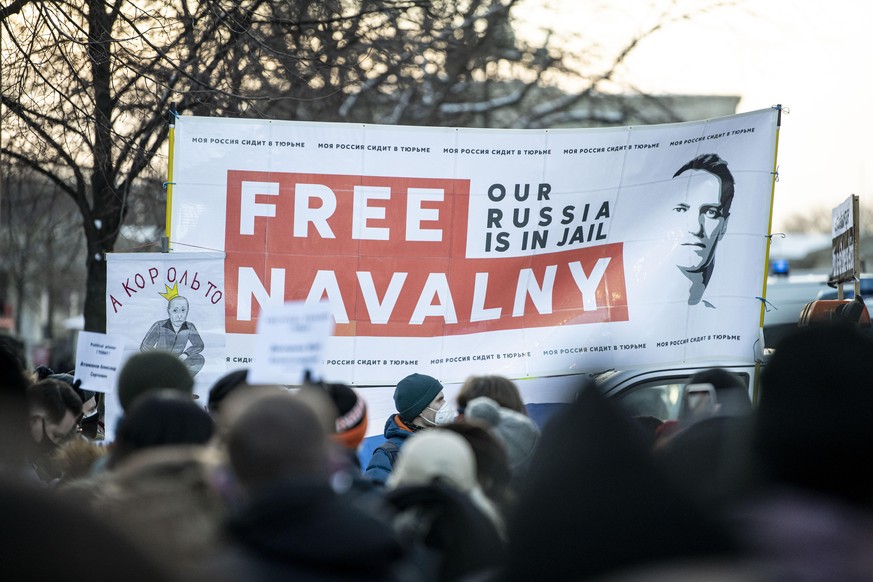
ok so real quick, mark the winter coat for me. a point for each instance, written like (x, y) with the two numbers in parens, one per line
(449, 534)
(382, 462)
(805, 536)
(301, 530)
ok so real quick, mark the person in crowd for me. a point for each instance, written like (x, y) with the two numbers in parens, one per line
(148, 371)
(77, 458)
(342, 413)
(441, 509)
(646, 402)
(46, 537)
(14, 347)
(168, 498)
(54, 412)
(41, 373)
(596, 505)
(517, 433)
(73, 458)
(811, 515)
(649, 425)
(235, 404)
(161, 418)
(290, 523)
(492, 465)
(346, 426)
(14, 437)
(500, 389)
(420, 404)
(225, 386)
(731, 394)
(707, 451)
(90, 415)
(350, 424)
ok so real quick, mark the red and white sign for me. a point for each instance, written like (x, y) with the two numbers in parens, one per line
(454, 252)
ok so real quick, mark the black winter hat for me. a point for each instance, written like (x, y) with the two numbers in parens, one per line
(152, 371)
(414, 393)
(224, 386)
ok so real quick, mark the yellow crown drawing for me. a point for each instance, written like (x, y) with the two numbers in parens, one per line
(172, 292)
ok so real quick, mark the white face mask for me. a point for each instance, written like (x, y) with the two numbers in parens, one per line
(445, 415)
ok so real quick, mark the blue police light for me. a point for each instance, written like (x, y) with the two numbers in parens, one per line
(779, 267)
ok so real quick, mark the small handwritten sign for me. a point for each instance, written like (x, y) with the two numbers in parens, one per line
(290, 341)
(98, 359)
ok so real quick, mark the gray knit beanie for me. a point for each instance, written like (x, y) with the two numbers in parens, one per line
(518, 433)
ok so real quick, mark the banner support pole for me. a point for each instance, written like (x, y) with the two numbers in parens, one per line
(756, 389)
(165, 246)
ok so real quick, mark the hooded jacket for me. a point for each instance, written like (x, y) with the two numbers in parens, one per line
(301, 530)
(382, 462)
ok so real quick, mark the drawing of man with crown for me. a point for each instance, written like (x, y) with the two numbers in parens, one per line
(176, 334)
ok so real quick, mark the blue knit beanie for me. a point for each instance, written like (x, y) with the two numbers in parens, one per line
(414, 393)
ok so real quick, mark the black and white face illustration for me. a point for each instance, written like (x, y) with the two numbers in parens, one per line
(177, 308)
(699, 217)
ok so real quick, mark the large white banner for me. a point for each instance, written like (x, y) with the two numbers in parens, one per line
(453, 252)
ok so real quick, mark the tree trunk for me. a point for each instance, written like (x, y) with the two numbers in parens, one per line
(95, 289)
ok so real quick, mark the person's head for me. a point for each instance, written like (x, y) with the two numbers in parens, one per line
(350, 421)
(89, 398)
(55, 411)
(435, 455)
(441, 457)
(518, 433)
(492, 465)
(813, 428)
(731, 393)
(277, 437)
(171, 499)
(419, 400)
(645, 402)
(161, 418)
(594, 484)
(177, 308)
(224, 386)
(147, 371)
(236, 403)
(500, 389)
(704, 191)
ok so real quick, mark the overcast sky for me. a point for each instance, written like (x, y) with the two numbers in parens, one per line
(812, 57)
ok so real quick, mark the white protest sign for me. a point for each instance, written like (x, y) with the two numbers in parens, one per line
(844, 229)
(290, 341)
(98, 360)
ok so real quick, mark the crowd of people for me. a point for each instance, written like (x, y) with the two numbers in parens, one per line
(265, 482)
